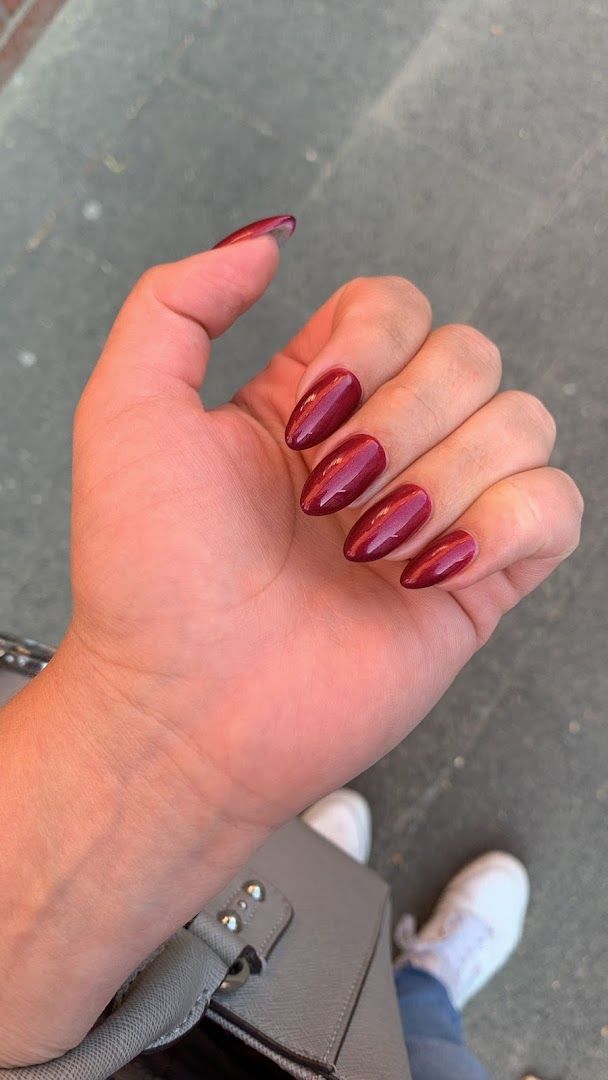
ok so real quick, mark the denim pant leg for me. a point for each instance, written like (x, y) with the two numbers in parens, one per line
(433, 1029)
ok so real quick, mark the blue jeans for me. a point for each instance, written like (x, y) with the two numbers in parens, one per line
(433, 1030)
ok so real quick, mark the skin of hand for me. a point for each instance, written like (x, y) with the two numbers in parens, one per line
(226, 664)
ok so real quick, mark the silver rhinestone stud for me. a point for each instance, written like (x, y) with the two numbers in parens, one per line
(230, 920)
(255, 890)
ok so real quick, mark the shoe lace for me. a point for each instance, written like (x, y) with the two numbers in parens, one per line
(459, 936)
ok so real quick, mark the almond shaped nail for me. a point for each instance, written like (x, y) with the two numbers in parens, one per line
(321, 410)
(442, 559)
(343, 475)
(281, 227)
(388, 523)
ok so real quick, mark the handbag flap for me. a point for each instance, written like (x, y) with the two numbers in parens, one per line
(374, 1045)
(302, 1002)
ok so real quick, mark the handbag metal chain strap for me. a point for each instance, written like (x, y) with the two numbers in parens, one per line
(24, 655)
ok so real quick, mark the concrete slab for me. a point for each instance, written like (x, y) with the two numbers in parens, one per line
(316, 67)
(37, 174)
(512, 88)
(384, 209)
(152, 200)
(107, 58)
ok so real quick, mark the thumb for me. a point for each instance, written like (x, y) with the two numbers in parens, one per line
(161, 339)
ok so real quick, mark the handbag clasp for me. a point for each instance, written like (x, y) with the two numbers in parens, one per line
(236, 977)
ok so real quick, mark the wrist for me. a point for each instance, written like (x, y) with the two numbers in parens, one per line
(118, 833)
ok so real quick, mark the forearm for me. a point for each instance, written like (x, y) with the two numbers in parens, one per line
(112, 837)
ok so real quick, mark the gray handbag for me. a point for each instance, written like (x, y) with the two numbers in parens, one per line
(292, 958)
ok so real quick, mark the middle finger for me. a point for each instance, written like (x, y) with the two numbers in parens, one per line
(455, 372)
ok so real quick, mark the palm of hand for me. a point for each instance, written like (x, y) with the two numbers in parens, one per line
(194, 562)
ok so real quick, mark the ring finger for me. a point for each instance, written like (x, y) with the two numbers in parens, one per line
(524, 525)
(511, 434)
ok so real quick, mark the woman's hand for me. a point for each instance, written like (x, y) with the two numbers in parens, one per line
(231, 618)
(226, 663)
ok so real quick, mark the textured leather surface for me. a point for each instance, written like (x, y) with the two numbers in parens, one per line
(374, 1046)
(292, 1068)
(303, 1002)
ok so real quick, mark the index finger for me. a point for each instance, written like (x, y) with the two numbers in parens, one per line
(361, 337)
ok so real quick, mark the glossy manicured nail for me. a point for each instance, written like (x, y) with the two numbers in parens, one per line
(388, 523)
(440, 560)
(328, 403)
(343, 475)
(281, 226)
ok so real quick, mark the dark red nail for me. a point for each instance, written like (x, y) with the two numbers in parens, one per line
(319, 413)
(388, 523)
(281, 226)
(343, 475)
(440, 560)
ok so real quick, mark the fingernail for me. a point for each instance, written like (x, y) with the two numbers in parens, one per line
(388, 523)
(343, 475)
(442, 559)
(281, 226)
(319, 413)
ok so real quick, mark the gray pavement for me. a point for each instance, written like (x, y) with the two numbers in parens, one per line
(459, 143)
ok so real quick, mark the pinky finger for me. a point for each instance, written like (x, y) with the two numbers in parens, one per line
(527, 524)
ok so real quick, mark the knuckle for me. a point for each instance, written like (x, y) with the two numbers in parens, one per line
(529, 411)
(572, 508)
(356, 286)
(357, 292)
(403, 292)
(473, 349)
(558, 496)
(388, 312)
(148, 282)
(390, 294)
(149, 290)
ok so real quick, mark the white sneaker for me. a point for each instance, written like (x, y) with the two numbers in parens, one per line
(345, 819)
(474, 928)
